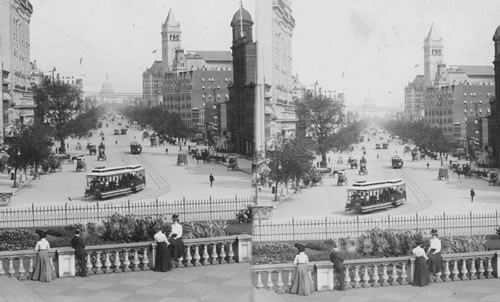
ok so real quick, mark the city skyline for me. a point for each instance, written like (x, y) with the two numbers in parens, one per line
(375, 51)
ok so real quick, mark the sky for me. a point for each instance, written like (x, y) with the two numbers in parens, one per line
(368, 49)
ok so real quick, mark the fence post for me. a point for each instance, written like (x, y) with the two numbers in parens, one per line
(357, 226)
(293, 228)
(97, 212)
(33, 213)
(388, 221)
(470, 221)
(416, 220)
(128, 205)
(326, 227)
(444, 222)
(66, 212)
(210, 202)
(157, 211)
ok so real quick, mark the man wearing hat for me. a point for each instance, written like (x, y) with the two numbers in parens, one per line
(175, 238)
(338, 266)
(434, 254)
(81, 257)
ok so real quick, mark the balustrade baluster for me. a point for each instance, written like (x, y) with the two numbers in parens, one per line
(222, 253)
(464, 271)
(2, 271)
(136, 261)
(230, 253)
(53, 265)
(394, 275)
(145, 260)
(454, 271)
(279, 283)
(366, 277)
(126, 262)
(21, 269)
(259, 280)
(375, 276)
(269, 283)
(446, 270)
(11, 267)
(385, 276)
(107, 264)
(473, 271)
(213, 255)
(196, 256)
(188, 257)
(347, 279)
(489, 269)
(438, 277)
(30, 267)
(289, 283)
(205, 254)
(356, 278)
(89, 264)
(117, 263)
(98, 263)
(404, 275)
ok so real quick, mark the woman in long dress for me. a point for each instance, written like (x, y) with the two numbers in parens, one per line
(421, 276)
(163, 263)
(302, 284)
(43, 270)
(175, 237)
(434, 253)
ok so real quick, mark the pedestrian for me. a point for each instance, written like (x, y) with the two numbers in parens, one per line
(302, 284)
(81, 257)
(175, 238)
(189, 148)
(338, 266)
(317, 164)
(163, 262)
(472, 194)
(441, 162)
(434, 254)
(180, 147)
(450, 162)
(43, 269)
(421, 276)
(166, 150)
(211, 178)
(427, 165)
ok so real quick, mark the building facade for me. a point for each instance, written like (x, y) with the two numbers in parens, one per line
(241, 105)
(494, 125)
(414, 99)
(17, 96)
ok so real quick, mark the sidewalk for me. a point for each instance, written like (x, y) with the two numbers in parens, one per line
(244, 164)
(466, 291)
(230, 282)
(6, 189)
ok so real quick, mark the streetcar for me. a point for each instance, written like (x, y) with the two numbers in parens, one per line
(102, 182)
(365, 197)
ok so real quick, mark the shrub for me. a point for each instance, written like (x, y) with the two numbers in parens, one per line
(17, 239)
(245, 215)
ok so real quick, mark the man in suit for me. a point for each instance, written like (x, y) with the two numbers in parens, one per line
(338, 266)
(79, 245)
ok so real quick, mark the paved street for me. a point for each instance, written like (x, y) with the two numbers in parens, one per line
(165, 180)
(426, 195)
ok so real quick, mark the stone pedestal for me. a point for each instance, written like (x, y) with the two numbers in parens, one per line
(324, 276)
(65, 263)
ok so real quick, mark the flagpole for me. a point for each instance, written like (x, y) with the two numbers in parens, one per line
(241, 18)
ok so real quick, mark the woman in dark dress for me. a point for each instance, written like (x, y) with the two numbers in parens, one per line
(163, 263)
(175, 237)
(421, 276)
(434, 253)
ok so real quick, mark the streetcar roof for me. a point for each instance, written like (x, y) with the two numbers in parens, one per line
(115, 170)
(372, 185)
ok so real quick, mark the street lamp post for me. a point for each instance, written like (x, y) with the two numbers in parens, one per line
(277, 181)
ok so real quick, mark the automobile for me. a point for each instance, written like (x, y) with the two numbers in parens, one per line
(117, 132)
(377, 146)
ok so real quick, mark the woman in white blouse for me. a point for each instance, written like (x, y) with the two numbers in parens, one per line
(43, 270)
(434, 253)
(302, 284)
(163, 263)
(175, 237)
(421, 276)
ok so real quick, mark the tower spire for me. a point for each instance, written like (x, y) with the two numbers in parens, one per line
(241, 19)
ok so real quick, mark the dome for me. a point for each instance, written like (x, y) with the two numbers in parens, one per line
(496, 37)
(107, 88)
(245, 15)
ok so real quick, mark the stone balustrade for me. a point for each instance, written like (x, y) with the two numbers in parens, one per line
(394, 271)
(117, 258)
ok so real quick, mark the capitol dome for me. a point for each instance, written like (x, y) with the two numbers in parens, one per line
(107, 88)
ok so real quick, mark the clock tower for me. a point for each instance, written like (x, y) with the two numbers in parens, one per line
(170, 41)
(433, 56)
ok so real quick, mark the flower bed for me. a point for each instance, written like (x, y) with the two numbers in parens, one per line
(373, 244)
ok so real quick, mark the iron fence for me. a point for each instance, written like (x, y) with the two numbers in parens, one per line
(188, 210)
(328, 228)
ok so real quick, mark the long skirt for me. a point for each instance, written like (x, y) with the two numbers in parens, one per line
(43, 270)
(435, 262)
(163, 263)
(176, 248)
(302, 284)
(421, 276)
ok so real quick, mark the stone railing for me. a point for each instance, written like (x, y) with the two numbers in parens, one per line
(116, 258)
(377, 272)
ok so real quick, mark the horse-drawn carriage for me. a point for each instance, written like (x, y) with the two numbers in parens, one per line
(92, 149)
(232, 163)
(493, 179)
(443, 174)
(414, 154)
(342, 178)
(154, 140)
(340, 160)
(101, 154)
(182, 159)
(80, 164)
(353, 162)
(362, 169)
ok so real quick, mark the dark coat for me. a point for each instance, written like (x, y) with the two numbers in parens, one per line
(337, 260)
(79, 245)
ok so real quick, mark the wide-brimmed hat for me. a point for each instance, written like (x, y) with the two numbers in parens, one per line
(300, 247)
(434, 232)
(41, 233)
(175, 216)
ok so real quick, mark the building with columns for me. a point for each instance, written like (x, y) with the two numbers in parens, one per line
(17, 96)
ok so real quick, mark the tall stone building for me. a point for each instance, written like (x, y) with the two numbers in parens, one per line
(495, 102)
(17, 96)
(241, 106)
(433, 55)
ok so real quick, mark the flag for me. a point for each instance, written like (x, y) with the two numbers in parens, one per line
(81, 60)
(154, 51)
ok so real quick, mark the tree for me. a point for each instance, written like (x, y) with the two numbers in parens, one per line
(346, 136)
(319, 118)
(57, 103)
(83, 123)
